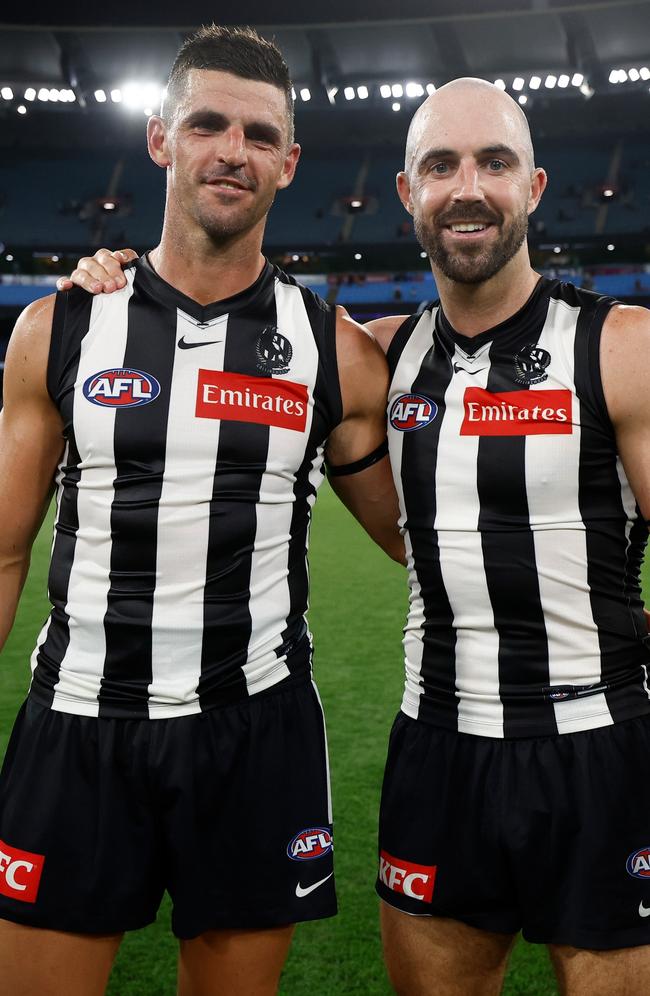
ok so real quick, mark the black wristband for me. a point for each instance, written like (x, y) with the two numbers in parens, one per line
(367, 461)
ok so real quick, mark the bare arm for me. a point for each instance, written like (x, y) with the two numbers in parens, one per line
(383, 329)
(31, 442)
(101, 273)
(625, 368)
(370, 493)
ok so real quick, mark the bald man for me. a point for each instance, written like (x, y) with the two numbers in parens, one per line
(516, 795)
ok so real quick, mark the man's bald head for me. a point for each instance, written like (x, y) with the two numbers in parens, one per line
(450, 104)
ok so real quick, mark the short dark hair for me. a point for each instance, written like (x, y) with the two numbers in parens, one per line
(240, 51)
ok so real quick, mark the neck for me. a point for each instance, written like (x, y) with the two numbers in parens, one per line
(474, 308)
(204, 271)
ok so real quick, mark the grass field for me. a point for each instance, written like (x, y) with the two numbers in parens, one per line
(358, 609)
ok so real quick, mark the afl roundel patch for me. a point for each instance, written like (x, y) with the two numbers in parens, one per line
(412, 411)
(121, 387)
(315, 842)
(638, 864)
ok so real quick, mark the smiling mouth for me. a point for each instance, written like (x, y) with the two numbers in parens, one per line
(227, 185)
(469, 227)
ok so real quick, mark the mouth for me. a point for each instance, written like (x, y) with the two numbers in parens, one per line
(468, 230)
(228, 186)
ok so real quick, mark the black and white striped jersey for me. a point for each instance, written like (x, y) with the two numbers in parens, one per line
(523, 537)
(194, 446)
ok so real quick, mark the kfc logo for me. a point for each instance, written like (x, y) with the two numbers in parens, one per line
(407, 878)
(236, 397)
(20, 873)
(516, 413)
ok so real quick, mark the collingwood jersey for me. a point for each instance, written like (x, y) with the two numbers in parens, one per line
(524, 541)
(194, 445)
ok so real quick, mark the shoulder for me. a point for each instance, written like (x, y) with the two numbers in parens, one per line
(353, 340)
(625, 361)
(30, 340)
(384, 329)
(627, 327)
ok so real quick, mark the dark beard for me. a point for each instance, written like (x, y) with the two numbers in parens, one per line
(472, 267)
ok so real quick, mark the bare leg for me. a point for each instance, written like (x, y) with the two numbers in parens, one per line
(433, 956)
(54, 963)
(233, 962)
(623, 972)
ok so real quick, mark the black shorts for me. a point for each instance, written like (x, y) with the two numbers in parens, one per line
(550, 836)
(229, 810)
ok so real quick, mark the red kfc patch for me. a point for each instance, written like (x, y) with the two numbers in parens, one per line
(20, 873)
(517, 413)
(241, 398)
(407, 878)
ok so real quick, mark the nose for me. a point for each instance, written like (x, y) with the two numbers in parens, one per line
(232, 148)
(468, 183)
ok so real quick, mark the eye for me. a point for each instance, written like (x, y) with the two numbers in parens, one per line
(497, 165)
(439, 168)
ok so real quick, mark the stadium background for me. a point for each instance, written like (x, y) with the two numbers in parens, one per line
(75, 88)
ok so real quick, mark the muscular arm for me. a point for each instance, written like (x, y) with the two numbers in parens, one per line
(625, 369)
(31, 443)
(369, 494)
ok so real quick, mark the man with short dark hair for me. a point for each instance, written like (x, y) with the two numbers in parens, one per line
(172, 737)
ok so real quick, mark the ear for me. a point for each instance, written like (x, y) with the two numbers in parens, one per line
(404, 190)
(289, 166)
(538, 183)
(157, 142)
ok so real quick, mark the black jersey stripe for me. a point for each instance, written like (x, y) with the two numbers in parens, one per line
(614, 592)
(510, 568)
(419, 462)
(69, 325)
(327, 414)
(150, 346)
(226, 611)
(399, 340)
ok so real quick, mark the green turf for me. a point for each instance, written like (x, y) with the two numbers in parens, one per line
(359, 606)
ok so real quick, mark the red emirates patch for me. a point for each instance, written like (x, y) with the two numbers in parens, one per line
(241, 398)
(20, 873)
(407, 878)
(517, 413)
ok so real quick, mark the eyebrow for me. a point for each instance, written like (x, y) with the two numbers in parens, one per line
(213, 120)
(489, 150)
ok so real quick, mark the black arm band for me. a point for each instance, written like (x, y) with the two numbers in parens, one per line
(362, 464)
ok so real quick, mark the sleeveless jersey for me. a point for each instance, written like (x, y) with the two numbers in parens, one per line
(194, 447)
(524, 541)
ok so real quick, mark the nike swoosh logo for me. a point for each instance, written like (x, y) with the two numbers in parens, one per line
(300, 892)
(642, 910)
(470, 372)
(192, 345)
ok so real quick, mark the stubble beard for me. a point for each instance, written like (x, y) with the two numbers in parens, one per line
(470, 266)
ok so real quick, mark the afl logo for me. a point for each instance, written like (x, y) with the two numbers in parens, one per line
(412, 411)
(313, 843)
(638, 864)
(121, 388)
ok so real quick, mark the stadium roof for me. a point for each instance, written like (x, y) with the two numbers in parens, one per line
(342, 52)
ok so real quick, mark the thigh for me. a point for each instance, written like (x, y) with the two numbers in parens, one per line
(248, 825)
(434, 956)
(236, 962)
(622, 972)
(440, 828)
(52, 963)
(77, 838)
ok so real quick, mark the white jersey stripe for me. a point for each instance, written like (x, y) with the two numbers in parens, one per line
(573, 647)
(183, 524)
(461, 561)
(79, 679)
(411, 359)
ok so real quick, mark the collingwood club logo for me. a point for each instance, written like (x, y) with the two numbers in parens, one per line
(530, 365)
(274, 351)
